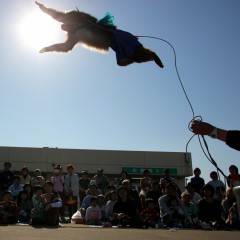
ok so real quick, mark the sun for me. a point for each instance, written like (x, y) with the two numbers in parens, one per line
(38, 30)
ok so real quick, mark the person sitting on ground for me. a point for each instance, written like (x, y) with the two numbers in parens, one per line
(171, 208)
(210, 208)
(195, 197)
(24, 207)
(233, 217)
(102, 206)
(155, 193)
(149, 215)
(52, 205)
(231, 138)
(125, 211)
(8, 209)
(38, 215)
(93, 214)
(112, 198)
(190, 209)
(228, 202)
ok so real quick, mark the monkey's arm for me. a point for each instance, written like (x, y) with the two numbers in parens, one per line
(59, 16)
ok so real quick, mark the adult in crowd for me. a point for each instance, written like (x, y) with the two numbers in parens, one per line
(25, 177)
(125, 211)
(132, 193)
(101, 180)
(6, 178)
(145, 184)
(231, 138)
(71, 189)
(171, 208)
(233, 179)
(84, 182)
(210, 208)
(197, 181)
(219, 186)
(228, 202)
(37, 179)
(194, 196)
(16, 186)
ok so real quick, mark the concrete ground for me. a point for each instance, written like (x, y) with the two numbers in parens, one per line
(81, 232)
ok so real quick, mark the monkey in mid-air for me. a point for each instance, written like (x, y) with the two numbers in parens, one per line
(99, 35)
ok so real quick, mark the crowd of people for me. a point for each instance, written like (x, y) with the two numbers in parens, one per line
(79, 198)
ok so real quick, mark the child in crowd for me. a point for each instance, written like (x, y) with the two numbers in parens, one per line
(8, 209)
(38, 215)
(149, 215)
(24, 207)
(93, 213)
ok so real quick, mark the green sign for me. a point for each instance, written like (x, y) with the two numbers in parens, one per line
(153, 171)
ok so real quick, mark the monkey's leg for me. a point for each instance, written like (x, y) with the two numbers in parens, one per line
(60, 47)
(144, 55)
(57, 15)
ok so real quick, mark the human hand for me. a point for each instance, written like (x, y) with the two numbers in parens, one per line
(202, 128)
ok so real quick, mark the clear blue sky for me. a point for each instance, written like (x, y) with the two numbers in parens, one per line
(82, 99)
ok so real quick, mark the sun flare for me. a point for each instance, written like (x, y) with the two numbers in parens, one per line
(38, 30)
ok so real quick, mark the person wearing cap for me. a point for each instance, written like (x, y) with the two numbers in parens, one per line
(37, 179)
(84, 182)
(25, 177)
(197, 181)
(71, 188)
(101, 181)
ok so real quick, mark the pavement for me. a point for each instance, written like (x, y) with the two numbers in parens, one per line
(83, 232)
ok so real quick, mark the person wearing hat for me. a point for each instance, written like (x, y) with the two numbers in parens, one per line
(25, 177)
(37, 179)
(84, 182)
(101, 181)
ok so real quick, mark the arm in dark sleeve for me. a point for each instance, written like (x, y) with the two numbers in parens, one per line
(233, 139)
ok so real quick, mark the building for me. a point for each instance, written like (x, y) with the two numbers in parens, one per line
(112, 161)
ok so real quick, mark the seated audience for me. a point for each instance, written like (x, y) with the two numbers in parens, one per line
(24, 207)
(112, 196)
(93, 214)
(233, 217)
(8, 209)
(218, 185)
(149, 215)
(16, 187)
(228, 202)
(125, 211)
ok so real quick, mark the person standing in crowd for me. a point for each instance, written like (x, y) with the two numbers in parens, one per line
(197, 181)
(101, 180)
(37, 179)
(58, 183)
(84, 182)
(6, 178)
(145, 185)
(124, 176)
(16, 187)
(71, 188)
(25, 177)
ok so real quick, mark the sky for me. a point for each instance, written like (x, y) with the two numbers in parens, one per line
(83, 100)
